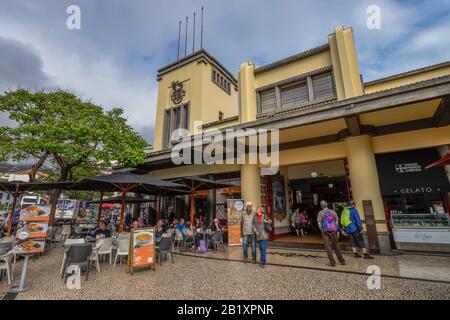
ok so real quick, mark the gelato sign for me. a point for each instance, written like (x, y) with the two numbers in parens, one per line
(408, 168)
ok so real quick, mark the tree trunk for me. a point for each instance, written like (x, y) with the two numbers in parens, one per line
(53, 202)
(35, 168)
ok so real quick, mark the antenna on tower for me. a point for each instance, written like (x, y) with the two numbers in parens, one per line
(201, 32)
(193, 36)
(186, 37)
(179, 35)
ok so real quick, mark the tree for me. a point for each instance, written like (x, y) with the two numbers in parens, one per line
(75, 138)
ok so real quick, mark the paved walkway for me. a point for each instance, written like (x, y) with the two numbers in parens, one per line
(291, 274)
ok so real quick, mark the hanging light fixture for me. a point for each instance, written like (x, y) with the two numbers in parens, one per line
(330, 185)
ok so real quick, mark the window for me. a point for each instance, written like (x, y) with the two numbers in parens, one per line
(221, 80)
(323, 86)
(298, 92)
(268, 101)
(294, 95)
(174, 118)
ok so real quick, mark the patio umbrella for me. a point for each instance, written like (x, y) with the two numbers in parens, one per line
(129, 182)
(440, 163)
(197, 183)
(115, 200)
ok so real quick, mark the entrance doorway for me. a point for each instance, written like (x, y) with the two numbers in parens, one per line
(308, 185)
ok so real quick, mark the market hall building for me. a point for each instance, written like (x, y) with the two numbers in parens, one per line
(340, 138)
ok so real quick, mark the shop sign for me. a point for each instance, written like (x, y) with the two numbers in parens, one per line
(235, 209)
(408, 167)
(422, 236)
(142, 248)
(32, 230)
(404, 172)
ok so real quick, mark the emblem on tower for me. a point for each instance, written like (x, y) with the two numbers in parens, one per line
(178, 92)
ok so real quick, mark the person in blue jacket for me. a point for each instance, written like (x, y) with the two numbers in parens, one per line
(353, 230)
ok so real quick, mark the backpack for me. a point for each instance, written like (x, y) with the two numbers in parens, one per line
(329, 223)
(202, 246)
(345, 218)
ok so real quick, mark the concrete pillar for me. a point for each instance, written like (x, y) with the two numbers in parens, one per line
(247, 94)
(365, 184)
(251, 184)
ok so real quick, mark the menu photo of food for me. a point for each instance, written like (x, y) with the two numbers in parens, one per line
(30, 246)
(31, 229)
(143, 239)
(35, 213)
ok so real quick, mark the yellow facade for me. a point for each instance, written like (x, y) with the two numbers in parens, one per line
(338, 54)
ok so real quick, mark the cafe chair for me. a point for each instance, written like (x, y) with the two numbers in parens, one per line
(164, 248)
(95, 254)
(123, 246)
(217, 240)
(178, 240)
(78, 255)
(7, 266)
(106, 249)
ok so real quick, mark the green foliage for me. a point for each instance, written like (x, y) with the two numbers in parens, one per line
(78, 137)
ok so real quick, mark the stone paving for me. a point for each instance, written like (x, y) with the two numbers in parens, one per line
(293, 274)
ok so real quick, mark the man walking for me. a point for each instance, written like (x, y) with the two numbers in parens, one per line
(352, 224)
(247, 231)
(328, 222)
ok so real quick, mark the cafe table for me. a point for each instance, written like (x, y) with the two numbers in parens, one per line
(67, 244)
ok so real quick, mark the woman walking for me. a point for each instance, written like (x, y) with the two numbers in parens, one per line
(262, 226)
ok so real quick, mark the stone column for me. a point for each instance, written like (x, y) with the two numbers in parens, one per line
(366, 187)
(251, 184)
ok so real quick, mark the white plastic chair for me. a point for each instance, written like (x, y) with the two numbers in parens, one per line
(5, 264)
(106, 248)
(123, 246)
(66, 231)
(95, 254)
(178, 240)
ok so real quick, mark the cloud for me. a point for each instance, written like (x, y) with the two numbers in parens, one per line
(114, 58)
(20, 65)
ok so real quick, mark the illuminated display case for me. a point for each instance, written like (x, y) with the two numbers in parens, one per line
(420, 221)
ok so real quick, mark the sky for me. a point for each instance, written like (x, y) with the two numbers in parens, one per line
(113, 59)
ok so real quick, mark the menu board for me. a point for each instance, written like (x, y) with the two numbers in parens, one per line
(235, 209)
(32, 229)
(142, 248)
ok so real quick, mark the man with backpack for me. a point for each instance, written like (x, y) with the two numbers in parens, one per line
(328, 222)
(352, 224)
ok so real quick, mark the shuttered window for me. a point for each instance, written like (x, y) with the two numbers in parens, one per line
(323, 86)
(175, 118)
(268, 101)
(294, 95)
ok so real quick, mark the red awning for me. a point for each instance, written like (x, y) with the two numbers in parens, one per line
(443, 162)
(107, 205)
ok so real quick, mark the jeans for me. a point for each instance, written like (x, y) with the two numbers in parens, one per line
(251, 237)
(262, 251)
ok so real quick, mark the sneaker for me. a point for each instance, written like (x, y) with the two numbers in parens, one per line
(367, 256)
(262, 265)
(356, 255)
(331, 264)
(342, 263)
